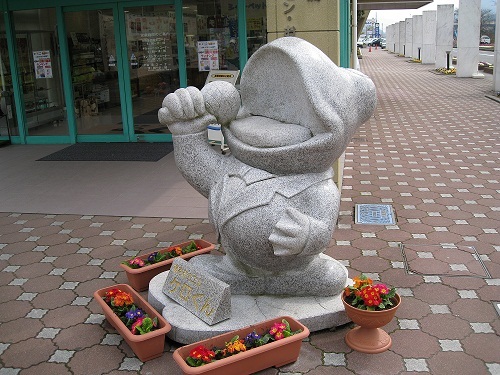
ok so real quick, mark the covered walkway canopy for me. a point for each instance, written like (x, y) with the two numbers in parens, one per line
(391, 4)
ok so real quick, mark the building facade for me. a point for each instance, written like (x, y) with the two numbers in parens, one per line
(97, 71)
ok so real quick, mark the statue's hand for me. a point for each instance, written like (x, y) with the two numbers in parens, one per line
(290, 234)
(183, 111)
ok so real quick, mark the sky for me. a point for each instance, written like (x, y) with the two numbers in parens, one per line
(389, 17)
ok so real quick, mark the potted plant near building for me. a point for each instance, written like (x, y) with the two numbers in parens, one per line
(370, 306)
(140, 270)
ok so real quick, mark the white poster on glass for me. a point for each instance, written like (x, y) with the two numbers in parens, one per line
(208, 55)
(43, 64)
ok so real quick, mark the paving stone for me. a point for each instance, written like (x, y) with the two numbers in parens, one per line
(79, 336)
(309, 358)
(475, 344)
(455, 363)
(47, 368)
(16, 356)
(108, 358)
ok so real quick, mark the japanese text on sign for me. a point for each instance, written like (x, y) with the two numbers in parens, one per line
(208, 55)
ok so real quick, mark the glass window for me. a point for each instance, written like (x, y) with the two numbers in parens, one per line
(8, 124)
(153, 61)
(256, 26)
(211, 38)
(39, 70)
(94, 71)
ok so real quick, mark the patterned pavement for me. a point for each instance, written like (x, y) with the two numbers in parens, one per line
(431, 151)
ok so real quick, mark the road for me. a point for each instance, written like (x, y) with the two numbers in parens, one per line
(484, 56)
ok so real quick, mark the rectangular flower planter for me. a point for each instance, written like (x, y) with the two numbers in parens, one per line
(147, 346)
(277, 353)
(139, 278)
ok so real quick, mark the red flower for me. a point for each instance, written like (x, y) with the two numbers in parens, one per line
(138, 322)
(200, 352)
(279, 335)
(381, 288)
(122, 298)
(111, 293)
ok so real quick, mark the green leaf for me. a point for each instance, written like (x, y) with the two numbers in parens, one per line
(286, 324)
(234, 339)
(193, 362)
(392, 293)
(146, 326)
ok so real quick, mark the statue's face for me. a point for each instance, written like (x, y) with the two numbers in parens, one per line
(266, 133)
(277, 147)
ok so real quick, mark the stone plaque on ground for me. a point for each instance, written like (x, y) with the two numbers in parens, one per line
(202, 294)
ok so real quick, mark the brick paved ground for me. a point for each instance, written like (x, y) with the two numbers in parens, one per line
(431, 151)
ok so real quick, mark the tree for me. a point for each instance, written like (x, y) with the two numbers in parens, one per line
(488, 23)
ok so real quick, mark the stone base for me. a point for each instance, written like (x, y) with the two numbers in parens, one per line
(316, 313)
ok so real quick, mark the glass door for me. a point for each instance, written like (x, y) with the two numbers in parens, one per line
(8, 123)
(94, 63)
(153, 64)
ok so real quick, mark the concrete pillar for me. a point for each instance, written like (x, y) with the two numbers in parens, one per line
(469, 20)
(496, 61)
(444, 34)
(393, 38)
(402, 37)
(408, 37)
(388, 37)
(396, 37)
(417, 37)
(428, 52)
(318, 22)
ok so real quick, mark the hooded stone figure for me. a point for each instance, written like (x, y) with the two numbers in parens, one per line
(272, 200)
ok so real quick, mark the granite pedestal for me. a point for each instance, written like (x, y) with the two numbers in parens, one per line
(316, 313)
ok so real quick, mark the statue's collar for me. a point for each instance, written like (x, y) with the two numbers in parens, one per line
(251, 175)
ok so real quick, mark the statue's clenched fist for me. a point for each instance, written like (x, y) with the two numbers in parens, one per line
(189, 110)
(183, 111)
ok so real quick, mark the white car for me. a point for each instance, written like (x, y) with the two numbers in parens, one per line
(485, 39)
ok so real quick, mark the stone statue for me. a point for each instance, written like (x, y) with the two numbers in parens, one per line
(272, 200)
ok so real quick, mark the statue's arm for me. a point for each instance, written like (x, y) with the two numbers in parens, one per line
(186, 114)
(198, 162)
(307, 225)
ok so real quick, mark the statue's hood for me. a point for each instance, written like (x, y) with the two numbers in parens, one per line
(291, 81)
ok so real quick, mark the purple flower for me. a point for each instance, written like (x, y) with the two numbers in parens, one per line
(130, 314)
(152, 257)
(134, 314)
(251, 338)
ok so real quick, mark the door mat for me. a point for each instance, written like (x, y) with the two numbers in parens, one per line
(142, 151)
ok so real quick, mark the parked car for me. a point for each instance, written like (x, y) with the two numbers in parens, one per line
(374, 42)
(361, 43)
(485, 39)
(383, 43)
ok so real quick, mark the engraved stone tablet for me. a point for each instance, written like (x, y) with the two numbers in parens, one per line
(202, 294)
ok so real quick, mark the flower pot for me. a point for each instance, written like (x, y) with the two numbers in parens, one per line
(147, 346)
(139, 278)
(277, 353)
(368, 337)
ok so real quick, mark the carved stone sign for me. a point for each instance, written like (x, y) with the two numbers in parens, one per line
(205, 296)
